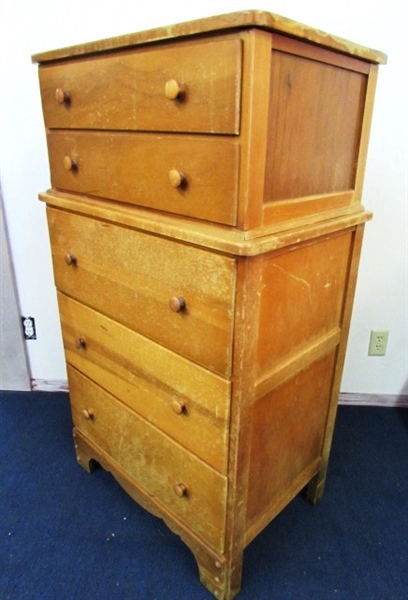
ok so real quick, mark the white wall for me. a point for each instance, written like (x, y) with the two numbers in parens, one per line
(38, 25)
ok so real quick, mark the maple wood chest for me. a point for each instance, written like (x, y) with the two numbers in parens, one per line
(205, 220)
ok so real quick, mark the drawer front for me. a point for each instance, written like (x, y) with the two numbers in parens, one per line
(186, 486)
(134, 90)
(178, 295)
(196, 178)
(184, 400)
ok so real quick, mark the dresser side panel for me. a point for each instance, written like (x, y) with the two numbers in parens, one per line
(287, 433)
(302, 298)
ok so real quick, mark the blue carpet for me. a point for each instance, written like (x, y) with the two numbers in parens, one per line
(68, 535)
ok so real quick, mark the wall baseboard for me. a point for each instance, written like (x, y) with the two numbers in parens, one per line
(391, 400)
(45, 385)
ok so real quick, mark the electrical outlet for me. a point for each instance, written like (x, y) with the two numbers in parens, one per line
(29, 328)
(378, 342)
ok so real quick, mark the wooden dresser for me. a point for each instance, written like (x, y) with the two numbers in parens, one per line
(206, 224)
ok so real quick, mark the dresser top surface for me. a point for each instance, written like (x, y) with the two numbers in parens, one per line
(222, 23)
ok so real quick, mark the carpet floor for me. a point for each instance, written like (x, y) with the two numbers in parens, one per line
(68, 535)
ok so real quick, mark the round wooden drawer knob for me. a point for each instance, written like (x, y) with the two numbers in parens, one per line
(70, 164)
(177, 303)
(88, 413)
(62, 97)
(80, 343)
(177, 178)
(178, 406)
(70, 259)
(174, 90)
(180, 490)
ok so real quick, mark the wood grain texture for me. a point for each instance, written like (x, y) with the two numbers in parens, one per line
(302, 298)
(152, 459)
(135, 169)
(241, 20)
(313, 147)
(287, 433)
(149, 378)
(316, 486)
(249, 279)
(211, 564)
(206, 225)
(226, 240)
(253, 141)
(126, 91)
(131, 277)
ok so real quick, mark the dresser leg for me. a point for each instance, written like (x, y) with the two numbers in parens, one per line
(84, 454)
(315, 488)
(222, 581)
(218, 573)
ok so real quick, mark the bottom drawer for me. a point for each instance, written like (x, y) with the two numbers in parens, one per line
(188, 487)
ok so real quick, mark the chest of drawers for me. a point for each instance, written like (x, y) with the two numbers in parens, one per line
(205, 221)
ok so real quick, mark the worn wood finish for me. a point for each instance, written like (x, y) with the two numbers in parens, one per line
(131, 277)
(257, 51)
(248, 19)
(135, 444)
(244, 183)
(302, 292)
(296, 411)
(316, 486)
(206, 225)
(210, 562)
(192, 177)
(126, 91)
(233, 241)
(240, 477)
(313, 148)
(186, 401)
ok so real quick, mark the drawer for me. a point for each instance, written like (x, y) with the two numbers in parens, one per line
(194, 88)
(196, 178)
(175, 294)
(184, 400)
(175, 478)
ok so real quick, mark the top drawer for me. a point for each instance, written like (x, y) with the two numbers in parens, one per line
(138, 90)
